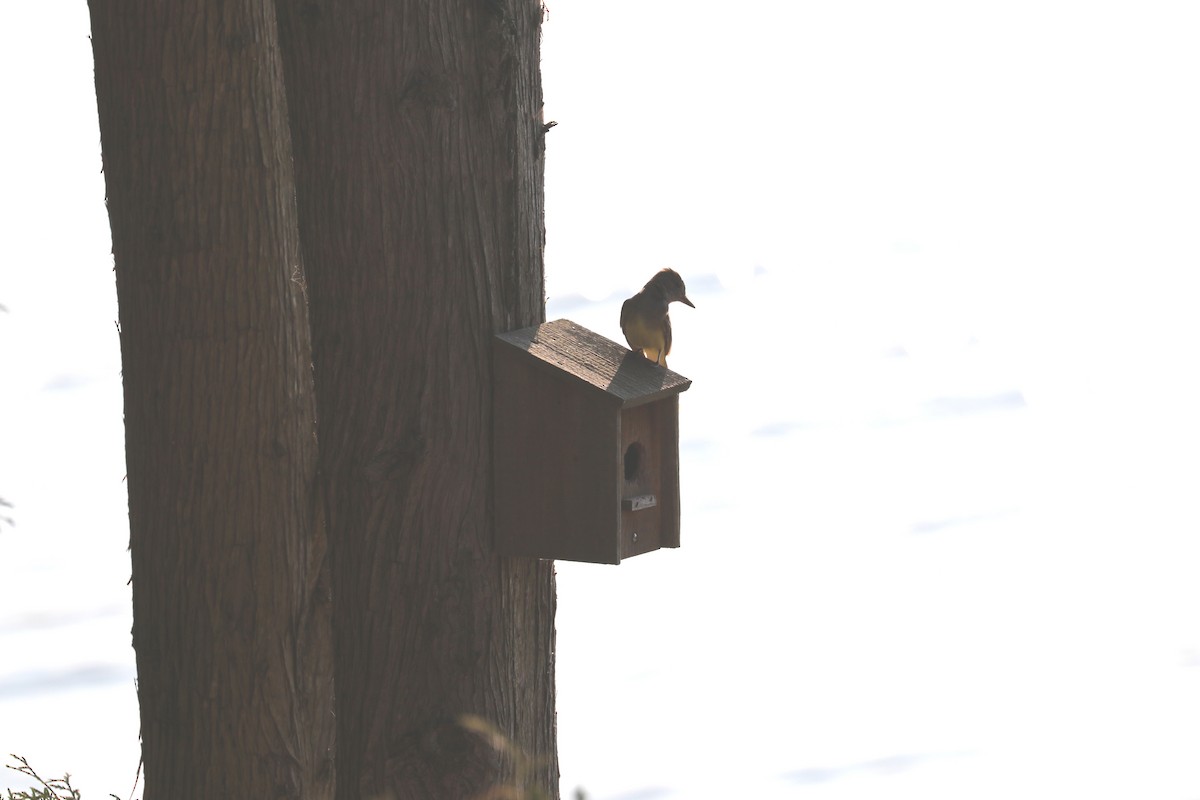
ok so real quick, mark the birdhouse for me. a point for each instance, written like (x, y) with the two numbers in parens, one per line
(586, 446)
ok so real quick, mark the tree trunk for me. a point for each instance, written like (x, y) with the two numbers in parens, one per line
(418, 143)
(230, 588)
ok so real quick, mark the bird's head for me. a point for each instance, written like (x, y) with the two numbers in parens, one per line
(668, 282)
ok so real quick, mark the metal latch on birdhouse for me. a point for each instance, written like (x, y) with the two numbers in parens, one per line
(642, 501)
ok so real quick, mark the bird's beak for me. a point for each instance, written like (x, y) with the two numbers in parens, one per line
(689, 302)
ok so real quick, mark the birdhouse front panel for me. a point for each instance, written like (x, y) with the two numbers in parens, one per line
(650, 477)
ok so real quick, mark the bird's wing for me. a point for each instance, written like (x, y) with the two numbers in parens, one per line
(626, 310)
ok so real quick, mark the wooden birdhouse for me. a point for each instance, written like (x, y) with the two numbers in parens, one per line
(586, 446)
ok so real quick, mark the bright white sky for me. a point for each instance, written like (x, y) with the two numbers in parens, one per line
(877, 205)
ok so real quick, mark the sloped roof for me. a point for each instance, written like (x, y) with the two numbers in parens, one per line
(575, 352)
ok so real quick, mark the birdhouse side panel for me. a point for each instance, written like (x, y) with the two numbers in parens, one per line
(669, 466)
(555, 448)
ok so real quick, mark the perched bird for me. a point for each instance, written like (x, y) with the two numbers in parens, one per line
(644, 317)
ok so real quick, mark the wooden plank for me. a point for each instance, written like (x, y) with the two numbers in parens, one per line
(573, 350)
(556, 462)
(668, 411)
(641, 530)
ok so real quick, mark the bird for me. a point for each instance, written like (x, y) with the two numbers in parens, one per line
(644, 319)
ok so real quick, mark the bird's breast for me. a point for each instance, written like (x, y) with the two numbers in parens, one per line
(644, 333)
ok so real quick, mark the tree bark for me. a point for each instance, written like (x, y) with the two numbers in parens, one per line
(418, 144)
(230, 587)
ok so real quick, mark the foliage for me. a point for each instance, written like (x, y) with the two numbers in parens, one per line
(525, 766)
(53, 789)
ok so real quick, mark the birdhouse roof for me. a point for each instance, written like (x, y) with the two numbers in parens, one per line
(576, 353)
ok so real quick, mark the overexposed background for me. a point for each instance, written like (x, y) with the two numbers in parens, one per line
(939, 458)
